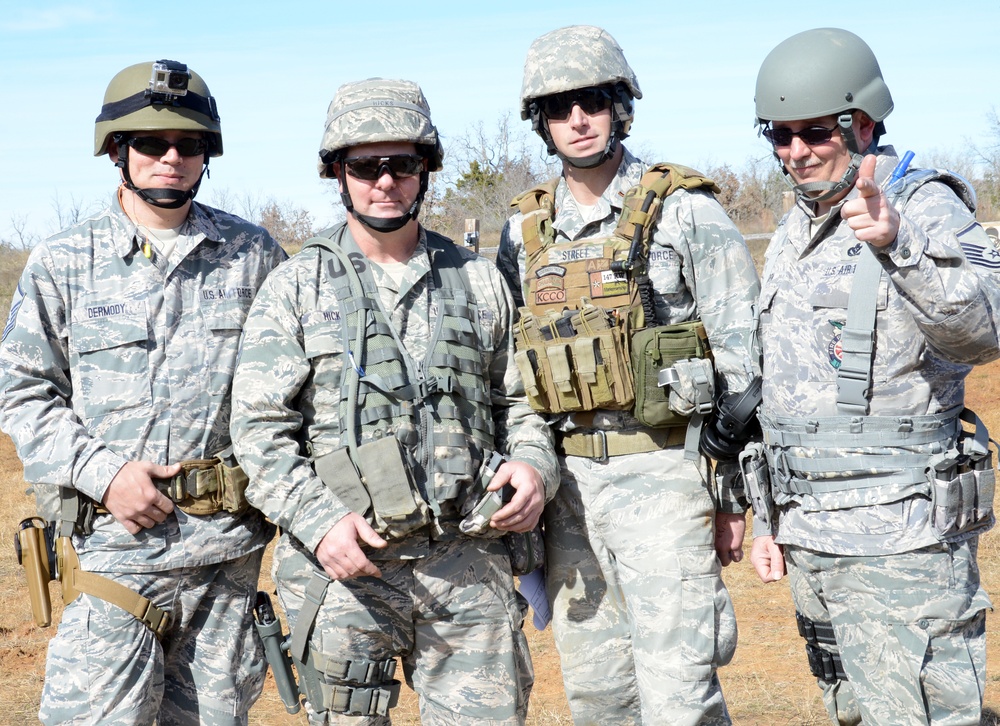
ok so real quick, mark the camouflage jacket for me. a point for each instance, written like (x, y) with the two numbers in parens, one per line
(282, 418)
(109, 357)
(938, 312)
(699, 266)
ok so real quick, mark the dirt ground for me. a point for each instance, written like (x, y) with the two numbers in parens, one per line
(767, 684)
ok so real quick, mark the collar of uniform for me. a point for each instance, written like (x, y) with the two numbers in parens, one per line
(199, 224)
(629, 173)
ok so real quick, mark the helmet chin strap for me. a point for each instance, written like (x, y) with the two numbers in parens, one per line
(828, 190)
(384, 224)
(163, 198)
(593, 160)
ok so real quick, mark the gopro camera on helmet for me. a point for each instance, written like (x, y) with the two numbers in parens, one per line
(169, 80)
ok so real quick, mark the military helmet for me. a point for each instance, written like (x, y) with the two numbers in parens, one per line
(820, 72)
(159, 95)
(377, 110)
(578, 56)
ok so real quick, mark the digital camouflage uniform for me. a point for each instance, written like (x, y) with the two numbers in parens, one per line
(641, 616)
(445, 603)
(906, 605)
(110, 357)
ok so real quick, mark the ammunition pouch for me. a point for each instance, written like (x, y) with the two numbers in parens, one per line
(824, 664)
(576, 360)
(353, 688)
(378, 486)
(757, 485)
(665, 394)
(207, 486)
(35, 549)
(962, 482)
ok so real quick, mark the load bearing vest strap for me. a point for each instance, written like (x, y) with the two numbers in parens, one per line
(854, 377)
(573, 337)
(388, 396)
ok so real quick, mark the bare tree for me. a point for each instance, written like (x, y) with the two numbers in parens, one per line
(491, 167)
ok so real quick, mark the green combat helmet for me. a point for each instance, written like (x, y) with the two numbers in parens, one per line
(571, 58)
(162, 95)
(823, 72)
(373, 111)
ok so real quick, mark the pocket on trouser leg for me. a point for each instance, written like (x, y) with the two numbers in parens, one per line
(708, 622)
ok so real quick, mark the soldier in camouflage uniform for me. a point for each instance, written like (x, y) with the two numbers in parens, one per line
(375, 382)
(640, 528)
(115, 368)
(879, 294)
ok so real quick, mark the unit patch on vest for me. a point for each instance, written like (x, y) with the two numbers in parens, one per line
(608, 284)
(550, 285)
(836, 347)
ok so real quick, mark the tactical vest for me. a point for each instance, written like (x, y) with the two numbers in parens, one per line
(890, 458)
(585, 300)
(413, 432)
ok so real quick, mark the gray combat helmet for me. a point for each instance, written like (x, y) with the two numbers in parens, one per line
(161, 95)
(823, 72)
(574, 57)
(374, 111)
(377, 110)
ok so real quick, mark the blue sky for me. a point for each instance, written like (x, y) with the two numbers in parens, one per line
(274, 66)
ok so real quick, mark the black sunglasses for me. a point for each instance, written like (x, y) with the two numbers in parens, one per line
(811, 135)
(558, 106)
(155, 146)
(370, 168)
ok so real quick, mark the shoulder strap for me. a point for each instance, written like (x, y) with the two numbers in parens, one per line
(660, 180)
(904, 189)
(537, 207)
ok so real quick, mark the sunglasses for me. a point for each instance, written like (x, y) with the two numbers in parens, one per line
(155, 146)
(558, 106)
(811, 135)
(370, 168)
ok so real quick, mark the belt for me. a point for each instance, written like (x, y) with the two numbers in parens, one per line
(602, 444)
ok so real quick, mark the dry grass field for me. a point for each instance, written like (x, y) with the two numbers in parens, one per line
(767, 684)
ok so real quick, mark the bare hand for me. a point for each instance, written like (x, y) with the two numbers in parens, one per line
(134, 500)
(521, 513)
(870, 215)
(767, 558)
(340, 554)
(729, 531)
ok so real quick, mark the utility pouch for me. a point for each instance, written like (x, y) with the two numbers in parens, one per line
(576, 360)
(654, 351)
(757, 485)
(477, 522)
(380, 487)
(208, 486)
(962, 482)
(35, 549)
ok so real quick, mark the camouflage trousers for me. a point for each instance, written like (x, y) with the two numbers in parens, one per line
(641, 617)
(452, 618)
(911, 630)
(104, 666)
